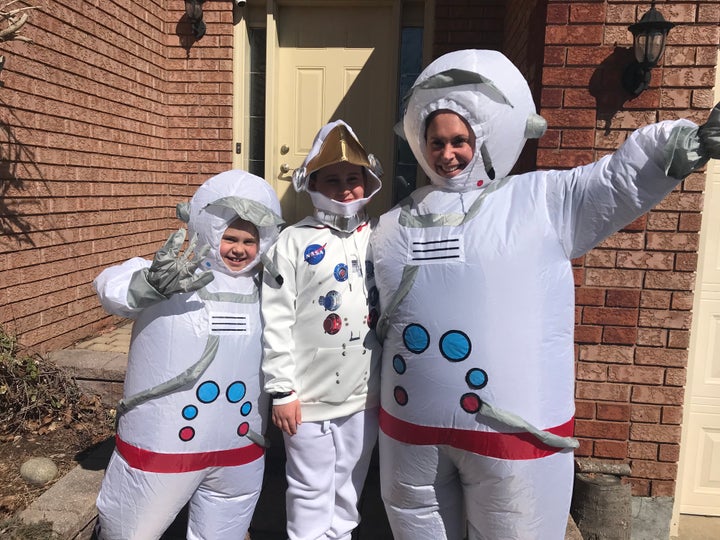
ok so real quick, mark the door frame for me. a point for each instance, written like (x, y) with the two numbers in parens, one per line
(695, 361)
(259, 13)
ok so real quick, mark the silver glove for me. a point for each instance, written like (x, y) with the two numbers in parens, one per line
(172, 272)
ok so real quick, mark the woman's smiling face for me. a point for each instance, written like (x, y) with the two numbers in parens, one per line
(449, 143)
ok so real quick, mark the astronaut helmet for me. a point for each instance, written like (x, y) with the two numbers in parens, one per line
(223, 199)
(490, 94)
(336, 143)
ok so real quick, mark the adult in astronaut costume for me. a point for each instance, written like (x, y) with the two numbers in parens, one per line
(477, 299)
(193, 410)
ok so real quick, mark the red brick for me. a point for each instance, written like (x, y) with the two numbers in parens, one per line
(602, 430)
(672, 241)
(657, 395)
(657, 318)
(596, 277)
(614, 316)
(619, 335)
(682, 300)
(669, 452)
(638, 225)
(686, 262)
(640, 487)
(645, 260)
(646, 451)
(591, 372)
(607, 353)
(636, 374)
(585, 409)
(618, 412)
(585, 296)
(652, 337)
(555, 56)
(679, 339)
(601, 258)
(602, 391)
(624, 240)
(672, 415)
(611, 449)
(588, 334)
(645, 413)
(557, 13)
(622, 298)
(576, 35)
(663, 221)
(587, 12)
(655, 299)
(655, 433)
(690, 222)
(654, 470)
(585, 449)
(662, 488)
(652, 356)
(675, 377)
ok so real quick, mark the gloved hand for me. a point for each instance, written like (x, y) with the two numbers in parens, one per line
(690, 148)
(709, 134)
(171, 272)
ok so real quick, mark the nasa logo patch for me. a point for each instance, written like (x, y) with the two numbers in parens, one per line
(314, 253)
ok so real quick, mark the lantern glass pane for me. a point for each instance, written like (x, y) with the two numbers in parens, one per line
(640, 42)
(656, 44)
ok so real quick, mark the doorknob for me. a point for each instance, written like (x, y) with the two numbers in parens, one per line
(284, 168)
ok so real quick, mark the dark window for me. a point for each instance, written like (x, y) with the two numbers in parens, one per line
(256, 139)
(410, 66)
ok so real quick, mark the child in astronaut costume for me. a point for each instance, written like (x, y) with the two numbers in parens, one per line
(477, 298)
(193, 411)
(322, 359)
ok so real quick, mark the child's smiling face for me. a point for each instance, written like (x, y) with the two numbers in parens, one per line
(239, 244)
(342, 182)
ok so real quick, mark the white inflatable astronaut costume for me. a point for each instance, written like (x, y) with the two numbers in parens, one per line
(477, 299)
(193, 410)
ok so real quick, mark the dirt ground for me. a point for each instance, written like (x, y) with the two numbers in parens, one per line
(64, 443)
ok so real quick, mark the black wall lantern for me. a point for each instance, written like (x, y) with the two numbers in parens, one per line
(649, 35)
(194, 12)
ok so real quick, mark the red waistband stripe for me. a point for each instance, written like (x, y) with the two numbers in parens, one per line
(149, 461)
(522, 445)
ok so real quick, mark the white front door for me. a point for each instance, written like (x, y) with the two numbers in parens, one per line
(332, 61)
(699, 474)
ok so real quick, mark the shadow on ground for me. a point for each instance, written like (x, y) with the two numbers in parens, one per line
(269, 519)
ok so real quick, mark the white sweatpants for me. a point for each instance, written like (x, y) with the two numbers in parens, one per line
(435, 492)
(327, 463)
(138, 505)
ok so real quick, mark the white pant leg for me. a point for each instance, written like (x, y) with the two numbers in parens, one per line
(421, 491)
(138, 505)
(223, 504)
(326, 467)
(516, 499)
(355, 438)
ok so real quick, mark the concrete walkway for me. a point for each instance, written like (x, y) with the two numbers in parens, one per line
(98, 365)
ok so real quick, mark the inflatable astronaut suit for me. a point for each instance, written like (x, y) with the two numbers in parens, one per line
(192, 415)
(477, 302)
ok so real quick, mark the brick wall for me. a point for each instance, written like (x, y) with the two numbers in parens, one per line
(109, 118)
(463, 24)
(634, 294)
